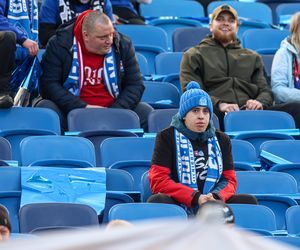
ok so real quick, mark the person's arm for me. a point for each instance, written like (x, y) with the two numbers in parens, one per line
(264, 96)
(226, 187)
(132, 85)
(54, 64)
(48, 20)
(160, 172)
(282, 78)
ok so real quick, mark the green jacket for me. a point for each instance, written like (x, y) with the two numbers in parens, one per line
(229, 74)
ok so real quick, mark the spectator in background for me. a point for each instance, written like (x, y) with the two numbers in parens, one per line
(18, 35)
(89, 65)
(53, 13)
(5, 227)
(232, 76)
(192, 162)
(126, 13)
(285, 74)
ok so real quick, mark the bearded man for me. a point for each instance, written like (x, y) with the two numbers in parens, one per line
(232, 76)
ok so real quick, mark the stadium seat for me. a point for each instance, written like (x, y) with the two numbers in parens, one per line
(143, 63)
(124, 149)
(174, 79)
(59, 151)
(268, 59)
(268, 42)
(255, 182)
(37, 217)
(147, 40)
(97, 136)
(168, 63)
(184, 38)
(243, 151)
(144, 211)
(119, 180)
(293, 169)
(284, 12)
(145, 187)
(5, 149)
(161, 95)
(18, 122)
(135, 168)
(292, 217)
(254, 216)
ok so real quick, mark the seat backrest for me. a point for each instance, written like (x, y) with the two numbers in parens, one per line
(184, 38)
(113, 198)
(268, 39)
(160, 8)
(243, 151)
(143, 63)
(268, 59)
(284, 12)
(42, 148)
(161, 95)
(146, 191)
(135, 168)
(247, 120)
(261, 217)
(10, 179)
(160, 119)
(56, 215)
(292, 218)
(144, 211)
(5, 149)
(279, 205)
(292, 169)
(254, 11)
(98, 136)
(168, 63)
(124, 149)
(254, 182)
(119, 180)
(286, 149)
(102, 119)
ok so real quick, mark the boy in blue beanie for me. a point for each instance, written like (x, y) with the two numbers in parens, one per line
(192, 162)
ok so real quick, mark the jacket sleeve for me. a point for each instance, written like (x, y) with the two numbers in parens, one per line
(53, 72)
(282, 77)
(226, 187)
(264, 91)
(191, 70)
(6, 26)
(132, 85)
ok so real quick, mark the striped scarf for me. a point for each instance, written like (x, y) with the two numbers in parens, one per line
(75, 79)
(24, 15)
(186, 162)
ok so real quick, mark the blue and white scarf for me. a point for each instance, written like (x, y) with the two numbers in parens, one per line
(186, 162)
(67, 11)
(75, 79)
(24, 15)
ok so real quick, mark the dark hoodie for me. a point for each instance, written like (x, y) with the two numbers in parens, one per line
(229, 74)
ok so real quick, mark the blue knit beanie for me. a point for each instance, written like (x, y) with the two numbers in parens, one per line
(194, 97)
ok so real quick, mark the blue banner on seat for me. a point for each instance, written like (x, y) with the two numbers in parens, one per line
(74, 185)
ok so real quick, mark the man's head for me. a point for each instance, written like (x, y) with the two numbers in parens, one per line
(224, 24)
(97, 33)
(5, 227)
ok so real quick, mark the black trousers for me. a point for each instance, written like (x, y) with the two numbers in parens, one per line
(293, 108)
(237, 198)
(7, 55)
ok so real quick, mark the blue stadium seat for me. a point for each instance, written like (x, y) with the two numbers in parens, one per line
(143, 63)
(254, 216)
(18, 122)
(124, 149)
(57, 151)
(168, 63)
(284, 12)
(268, 42)
(243, 151)
(161, 95)
(37, 217)
(119, 180)
(5, 149)
(184, 38)
(102, 119)
(292, 217)
(97, 136)
(268, 59)
(146, 191)
(144, 211)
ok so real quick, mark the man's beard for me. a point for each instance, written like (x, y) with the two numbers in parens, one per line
(224, 38)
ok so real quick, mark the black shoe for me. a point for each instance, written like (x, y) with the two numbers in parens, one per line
(6, 101)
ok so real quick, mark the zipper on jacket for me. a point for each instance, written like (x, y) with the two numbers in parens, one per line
(227, 61)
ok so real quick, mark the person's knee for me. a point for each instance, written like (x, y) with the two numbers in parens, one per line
(161, 198)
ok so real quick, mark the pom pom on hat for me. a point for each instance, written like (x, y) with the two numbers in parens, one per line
(194, 96)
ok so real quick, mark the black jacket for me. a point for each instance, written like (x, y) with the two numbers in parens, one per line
(57, 61)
